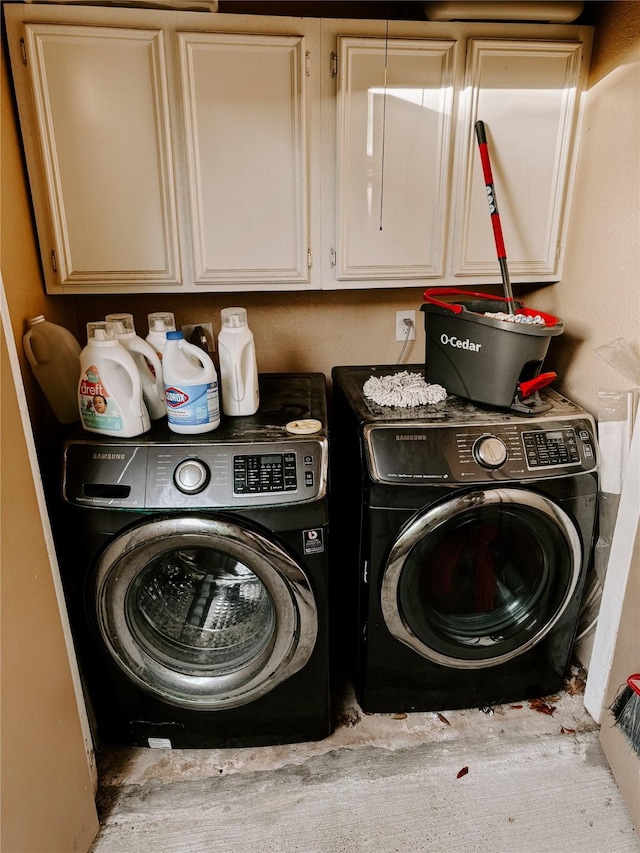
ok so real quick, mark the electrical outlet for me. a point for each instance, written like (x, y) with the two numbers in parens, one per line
(187, 331)
(401, 327)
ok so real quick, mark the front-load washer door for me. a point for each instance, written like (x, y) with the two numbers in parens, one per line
(203, 612)
(480, 578)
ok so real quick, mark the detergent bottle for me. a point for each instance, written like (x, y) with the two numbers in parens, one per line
(54, 356)
(110, 389)
(146, 360)
(160, 322)
(238, 367)
(190, 386)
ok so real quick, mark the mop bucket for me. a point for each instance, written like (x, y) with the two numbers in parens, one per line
(486, 359)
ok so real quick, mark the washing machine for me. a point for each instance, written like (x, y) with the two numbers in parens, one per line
(468, 534)
(195, 569)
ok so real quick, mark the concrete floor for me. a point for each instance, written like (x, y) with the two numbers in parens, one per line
(513, 778)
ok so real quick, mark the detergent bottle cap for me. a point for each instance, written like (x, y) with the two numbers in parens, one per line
(174, 336)
(161, 321)
(124, 323)
(102, 332)
(233, 318)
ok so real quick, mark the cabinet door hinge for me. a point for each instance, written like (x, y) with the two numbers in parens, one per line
(309, 259)
(306, 63)
(23, 51)
(558, 249)
(332, 255)
(53, 261)
(334, 64)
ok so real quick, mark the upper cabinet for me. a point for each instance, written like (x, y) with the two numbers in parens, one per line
(526, 92)
(243, 101)
(186, 152)
(107, 207)
(410, 199)
(395, 117)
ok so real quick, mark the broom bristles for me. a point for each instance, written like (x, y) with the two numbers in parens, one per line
(626, 713)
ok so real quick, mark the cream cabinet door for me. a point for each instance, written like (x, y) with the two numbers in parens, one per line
(101, 107)
(527, 94)
(244, 113)
(394, 155)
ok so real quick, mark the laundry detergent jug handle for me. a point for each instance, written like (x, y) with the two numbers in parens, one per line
(195, 352)
(125, 360)
(139, 345)
(28, 348)
(240, 385)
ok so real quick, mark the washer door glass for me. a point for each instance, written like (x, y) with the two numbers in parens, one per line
(481, 578)
(203, 612)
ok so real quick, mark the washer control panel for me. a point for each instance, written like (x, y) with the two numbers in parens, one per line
(418, 453)
(259, 474)
(206, 475)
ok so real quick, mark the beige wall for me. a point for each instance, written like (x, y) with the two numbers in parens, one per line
(47, 789)
(599, 295)
(47, 785)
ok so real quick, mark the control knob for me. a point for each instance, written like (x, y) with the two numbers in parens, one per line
(191, 476)
(490, 451)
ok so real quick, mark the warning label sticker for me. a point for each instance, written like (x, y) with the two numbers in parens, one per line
(313, 541)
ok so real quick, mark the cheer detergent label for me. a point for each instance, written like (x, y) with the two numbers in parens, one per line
(192, 405)
(98, 409)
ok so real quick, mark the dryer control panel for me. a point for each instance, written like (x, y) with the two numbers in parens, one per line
(200, 476)
(419, 453)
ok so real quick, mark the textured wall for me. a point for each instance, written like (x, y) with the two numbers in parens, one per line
(599, 295)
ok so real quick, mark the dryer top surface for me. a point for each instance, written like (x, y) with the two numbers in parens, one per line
(453, 412)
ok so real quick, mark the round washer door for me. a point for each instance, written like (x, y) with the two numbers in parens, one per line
(479, 579)
(202, 612)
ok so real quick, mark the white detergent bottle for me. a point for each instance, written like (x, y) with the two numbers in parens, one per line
(190, 386)
(160, 322)
(147, 362)
(238, 367)
(110, 389)
(54, 356)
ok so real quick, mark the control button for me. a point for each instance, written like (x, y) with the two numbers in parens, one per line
(584, 434)
(191, 476)
(490, 452)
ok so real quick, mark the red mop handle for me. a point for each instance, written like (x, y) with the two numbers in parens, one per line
(491, 192)
(495, 216)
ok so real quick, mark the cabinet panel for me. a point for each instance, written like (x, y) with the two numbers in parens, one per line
(394, 140)
(244, 114)
(526, 93)
(101, 109)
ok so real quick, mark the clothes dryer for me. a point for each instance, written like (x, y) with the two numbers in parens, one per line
(470, 531)
(195, 569)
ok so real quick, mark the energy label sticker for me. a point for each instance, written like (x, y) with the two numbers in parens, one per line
(313, 541)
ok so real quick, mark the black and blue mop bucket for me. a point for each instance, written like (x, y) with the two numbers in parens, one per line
(484, 358)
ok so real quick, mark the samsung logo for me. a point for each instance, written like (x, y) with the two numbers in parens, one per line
(109, 457)
(411, 438)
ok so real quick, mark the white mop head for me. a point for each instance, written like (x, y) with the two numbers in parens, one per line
(402, 389)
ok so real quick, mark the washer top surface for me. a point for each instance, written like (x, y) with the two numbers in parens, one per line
(453, 411)
(285, 398)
